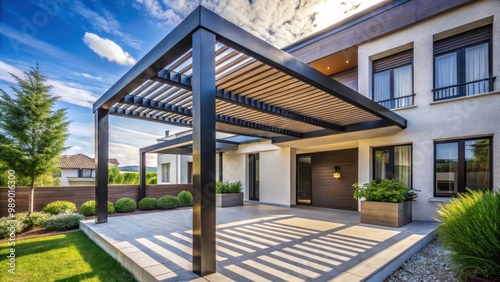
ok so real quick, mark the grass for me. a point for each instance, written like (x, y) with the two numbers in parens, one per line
(66, 257)
(471, 231)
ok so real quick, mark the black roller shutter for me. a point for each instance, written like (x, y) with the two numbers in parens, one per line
(471, 37)
(393, 61)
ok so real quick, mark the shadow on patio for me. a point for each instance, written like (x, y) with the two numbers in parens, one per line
(262, 243)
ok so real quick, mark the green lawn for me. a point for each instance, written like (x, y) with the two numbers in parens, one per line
(66, 257)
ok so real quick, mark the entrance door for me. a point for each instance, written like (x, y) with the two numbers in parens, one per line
(253, 193)
(304, 180)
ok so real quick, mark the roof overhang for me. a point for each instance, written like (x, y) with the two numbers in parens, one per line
(183, 146)
(262, 91)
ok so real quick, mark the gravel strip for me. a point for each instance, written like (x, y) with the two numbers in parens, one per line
(430, 264)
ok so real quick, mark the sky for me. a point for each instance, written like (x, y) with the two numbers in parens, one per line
(84, 47)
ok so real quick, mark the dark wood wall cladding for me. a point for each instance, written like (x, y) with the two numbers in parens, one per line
(348, 77)
(81, 194)
(382, 23)
(333, 193)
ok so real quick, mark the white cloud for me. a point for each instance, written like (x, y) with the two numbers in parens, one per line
(104, 22)
(65, 90)
(86, 75)
(72, 95)
(276, 21)
(136, 132)
(108, 49)
(6, 70)
(72, 150)
(17, 39)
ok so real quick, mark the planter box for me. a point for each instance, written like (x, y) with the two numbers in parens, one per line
(386, 214)
(229, 200)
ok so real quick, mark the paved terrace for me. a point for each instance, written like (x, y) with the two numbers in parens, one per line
(261, 243)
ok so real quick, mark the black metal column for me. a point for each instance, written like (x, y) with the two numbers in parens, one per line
(101, 164)
(142, 175)
(204, 167)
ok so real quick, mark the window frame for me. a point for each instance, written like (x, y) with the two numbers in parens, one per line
(391, 69)
(82, 175)
(163, 175)
(461, 62)
(391, 160)
(461, 167)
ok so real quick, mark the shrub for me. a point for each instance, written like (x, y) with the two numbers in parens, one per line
(185, 199)
(387, 190)
(39, 218)
(226, 187)
(470, 230)
(59, 207)
(22, 223)
(147, 204)
(131, 178)
(111, 208)
(63, 221)
(152, 180)
(88, 208)
(125, 205)
(167, 202)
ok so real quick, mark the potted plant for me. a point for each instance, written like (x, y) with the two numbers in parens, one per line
(229, 194)
(387, 202)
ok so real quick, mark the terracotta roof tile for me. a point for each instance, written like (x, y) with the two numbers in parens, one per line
(80, 161)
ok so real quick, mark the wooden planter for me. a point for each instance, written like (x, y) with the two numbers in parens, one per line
(229, 200)
(386, 214)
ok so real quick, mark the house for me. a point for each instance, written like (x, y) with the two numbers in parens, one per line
(78, 169)
(178, 168)
(433, 65)
(174, 168)
(403, 90)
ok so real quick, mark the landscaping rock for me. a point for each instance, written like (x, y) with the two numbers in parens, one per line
(430, 264)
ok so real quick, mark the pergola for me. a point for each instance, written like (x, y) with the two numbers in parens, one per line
(211, 75)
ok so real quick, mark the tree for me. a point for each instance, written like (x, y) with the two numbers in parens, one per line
(32, 132)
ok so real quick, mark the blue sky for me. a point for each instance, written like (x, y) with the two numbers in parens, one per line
(84, 47)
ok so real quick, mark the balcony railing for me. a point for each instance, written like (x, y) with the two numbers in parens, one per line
(398, 102)
(464, 89)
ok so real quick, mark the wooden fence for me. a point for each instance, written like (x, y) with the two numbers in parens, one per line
(81, 194)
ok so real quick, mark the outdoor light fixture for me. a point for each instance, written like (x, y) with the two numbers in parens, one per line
(336, 174)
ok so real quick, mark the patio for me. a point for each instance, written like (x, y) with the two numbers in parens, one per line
(261, 243)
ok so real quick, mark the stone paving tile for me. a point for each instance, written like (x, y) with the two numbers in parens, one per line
(258, 243)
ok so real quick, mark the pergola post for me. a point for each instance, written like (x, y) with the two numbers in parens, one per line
(142, 175)
(101, 164)
(204, 152)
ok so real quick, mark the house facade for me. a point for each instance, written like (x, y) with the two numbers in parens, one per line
(78, 169)
(435, 68)
(178, 168)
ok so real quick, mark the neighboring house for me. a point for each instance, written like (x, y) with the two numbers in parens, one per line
(79, 169)
(176, 168)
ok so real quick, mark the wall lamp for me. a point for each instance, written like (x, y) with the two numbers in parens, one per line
(336, 174)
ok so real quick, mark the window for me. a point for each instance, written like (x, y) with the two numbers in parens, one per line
(461, 164)
(190, 172)
(86, 172)
(393, 80)
(462, 64)
(393, 162)
(165, 172)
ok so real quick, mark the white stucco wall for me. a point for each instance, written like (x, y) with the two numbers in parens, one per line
(277, 178)
(234, 169)
(428, 121)
(178, 167)
(68, 172)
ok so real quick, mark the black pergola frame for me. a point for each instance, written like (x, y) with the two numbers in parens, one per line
(199, 32)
